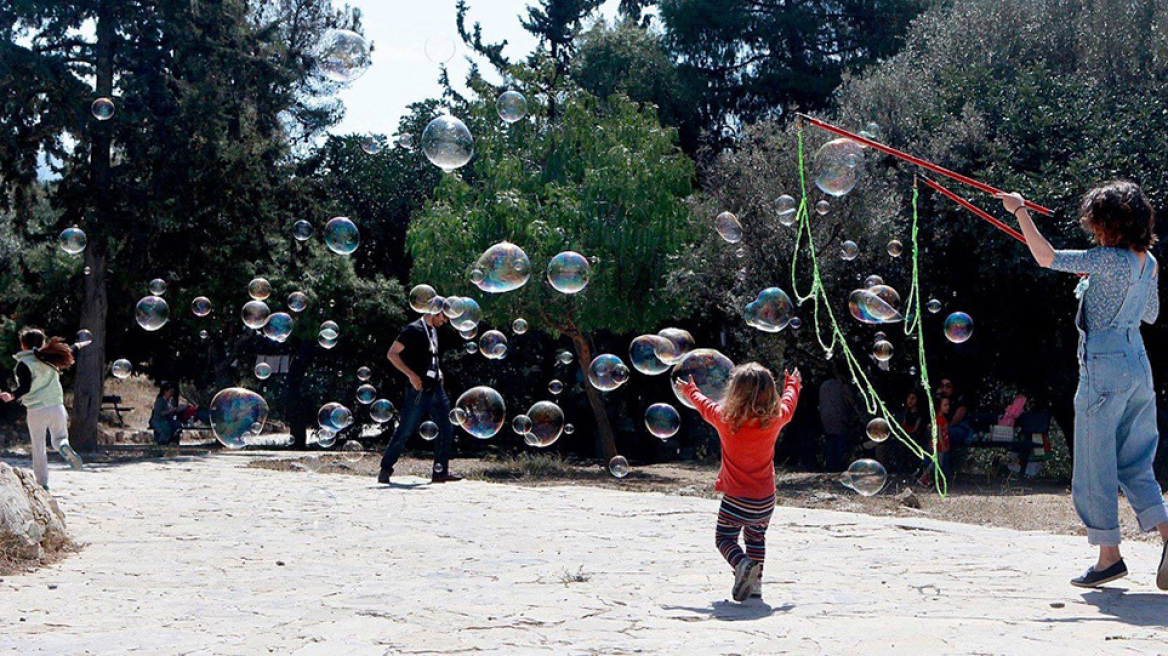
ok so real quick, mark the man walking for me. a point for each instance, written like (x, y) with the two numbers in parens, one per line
(415, 354)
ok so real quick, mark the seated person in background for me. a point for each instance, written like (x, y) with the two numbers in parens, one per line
(165, 419)
(926, 477)
(912, 420)
(955, 418)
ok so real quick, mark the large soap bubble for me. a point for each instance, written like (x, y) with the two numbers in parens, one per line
(643, 354)
(837, 166)
(568, 272)
(420, 298)
(710, 371)
(662, 420)
(447, 143)
(770, 311)
(728, 227)
(501, 268)
(607, 372)
(341, 235)
(72, 240)
(342, 55)
(201, 306)
(278, 327)
(259, 289)
(679, 341)
(493, 345)
(867, 306)
(865, 476)
(255, 314)
(512, 106)
(485, 411)
(547, 424)
(151, 313)
(234, 411)
(958, 327)
(470, 317)
(102, 109)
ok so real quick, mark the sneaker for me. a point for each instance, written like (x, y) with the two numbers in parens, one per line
(445, 478)
(1094, 578)
(745, 577)
(756, 590)
(383, 476)
(1162, 573)
(70, 456)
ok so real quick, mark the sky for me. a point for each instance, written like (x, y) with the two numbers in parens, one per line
(402, 74)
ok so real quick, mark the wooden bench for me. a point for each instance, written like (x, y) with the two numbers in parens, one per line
(114, 402)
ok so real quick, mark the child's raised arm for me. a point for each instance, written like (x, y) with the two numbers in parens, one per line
(792, 385)
(706, 408)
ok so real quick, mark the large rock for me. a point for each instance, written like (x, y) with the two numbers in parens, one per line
(31, 524)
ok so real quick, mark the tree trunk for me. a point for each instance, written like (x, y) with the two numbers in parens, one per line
(88, 387)
(604, 438)
(298, 413)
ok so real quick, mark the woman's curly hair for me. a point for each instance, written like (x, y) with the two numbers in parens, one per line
(1118, 214)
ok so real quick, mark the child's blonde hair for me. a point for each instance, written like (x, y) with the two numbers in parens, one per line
(752, 395)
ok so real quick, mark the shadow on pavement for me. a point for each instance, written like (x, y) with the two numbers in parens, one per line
(729, 611)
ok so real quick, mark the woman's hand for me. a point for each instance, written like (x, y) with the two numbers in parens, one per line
(6, 397)
(1012, 201)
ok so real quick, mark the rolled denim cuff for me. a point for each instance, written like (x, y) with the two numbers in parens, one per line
(1152, 517)
(1103, 538)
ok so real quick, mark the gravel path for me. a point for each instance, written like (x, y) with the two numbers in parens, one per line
(207, 556)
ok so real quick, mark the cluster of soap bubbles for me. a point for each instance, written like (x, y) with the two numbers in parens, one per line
(877, 304)
(770, 311)
(606, 372)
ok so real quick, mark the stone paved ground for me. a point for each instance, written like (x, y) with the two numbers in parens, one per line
(206, 556)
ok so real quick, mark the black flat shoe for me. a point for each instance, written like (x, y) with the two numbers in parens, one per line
(383, 477)
(1094, 579)
(1162, 573)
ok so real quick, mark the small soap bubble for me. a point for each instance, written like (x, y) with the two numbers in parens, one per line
(873, 280)
(259, 289)
(452, 307)
(796, 323)
(87, 270)
(934, 306)
(618, 467)
(512, 106)
(521, 424)
(352, 452)
(381, 411)
(564, 357)
(958, 327)
(895, 248)
(157, 287)
(728, 227)
(569, 272)
(472, 347)
(505, 268)
(102, 109)
(72, 240)
(364, 374)
(279, 327)
(877, 305)
(440, 48)
(255, 314)
(878, 429)
(822, 207)
(366, 394)
(485, 411)
(151, 313)
(493, 345)
(330, 330)
(121, 368)
(555, 387)
(342, 55)
(447, 143)
(787, 208)
(201, 306)
(547, 423)
(203, 334)
(302, 230)
(371, 144)
(569, 429)
(405, 141)
(84, 338)
(341, 235)
(457, 416)
(519, 326)
(297, 301)
(428, 431)
(770, 311)
(263, 370)
(882, 351)
(420, 298)
(325, 342)
(662, 420)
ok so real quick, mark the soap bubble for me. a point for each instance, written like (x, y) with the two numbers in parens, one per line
(865, 476)
(364, 373)
(849, 250)
(895, 248)
(770, 311)
(255, 314)
(493, 344)
(151, 313)
(680, 343)
(603, 372)
(366, 394)
(934, 306)
(406, 141)
(330, 330)
(87, 270)
(874, 131)
(618, 467)
(352, 452)
(878, 429)
(157, 287)
(201, 306)
(279, 327)
(326, 342)
(472, 347)
(428, 430)
(447, 143)
(870, 307)
(440, 48)
(302, 230)
(521, 424)
(371, 144)
(958, 327)
(512, 106)
(453, 307)
(556, 386)
(203, 334)
(121, 368)
(420, 297)
(341, 235)
(643, 354)
(710, 371)
(796, 323)
(505, 268)
(568, 272)
(84, 338)
(72, 240)
(471, 315)
(263, 370)
(873, 280)
(485, 411)
(728, 227)
(233, 412)
(547, 423)
(564, 357)
(259, 289)
(787, 209)
(381, 411)
(325, 438)
(457, 416)
(836, 166)
(822, 207)
(341, 418)
(882, 351)
(342, 55)
(662, 420)
(102, 109)
(519, 326)
(297, 301)
(569, 429)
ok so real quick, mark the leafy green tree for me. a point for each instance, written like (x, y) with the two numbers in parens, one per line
(605, 180)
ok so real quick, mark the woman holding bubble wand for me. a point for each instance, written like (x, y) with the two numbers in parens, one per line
(1115, 403)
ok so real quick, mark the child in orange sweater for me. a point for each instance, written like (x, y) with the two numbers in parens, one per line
(748, 424)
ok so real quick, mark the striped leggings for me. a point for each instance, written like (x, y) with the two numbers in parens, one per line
(749, 516)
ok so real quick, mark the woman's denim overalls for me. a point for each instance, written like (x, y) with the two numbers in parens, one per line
(1115, 419)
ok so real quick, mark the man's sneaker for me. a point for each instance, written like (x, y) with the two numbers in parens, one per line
(70, 456)
(1162, 573)
(445, 478)
(383, 477)
(745, 577)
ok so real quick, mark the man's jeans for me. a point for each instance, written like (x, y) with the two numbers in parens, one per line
(431, 403)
